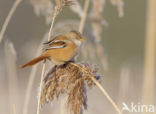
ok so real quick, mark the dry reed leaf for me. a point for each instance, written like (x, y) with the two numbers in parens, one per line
(43, 7)
(72, 81)
(119, 4)
(97, 19)
(96, 15)
(62, 3)
(8, 18)
(76, 8)
(46, 7)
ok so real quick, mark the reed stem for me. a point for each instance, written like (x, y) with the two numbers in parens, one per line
(150, 54)
(13, 86)
(83, 18)
(41, 82)
(14, 109)
(7, 20)
(30, 82)
(101, 89)
(44, 64)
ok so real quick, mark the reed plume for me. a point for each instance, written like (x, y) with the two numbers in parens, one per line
(72, 81)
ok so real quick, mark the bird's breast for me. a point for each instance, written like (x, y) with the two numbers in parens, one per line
(62, 55)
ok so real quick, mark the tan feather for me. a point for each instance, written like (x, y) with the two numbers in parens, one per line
(34, 61)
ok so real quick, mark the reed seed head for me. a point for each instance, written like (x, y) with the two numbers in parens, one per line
(70, 79)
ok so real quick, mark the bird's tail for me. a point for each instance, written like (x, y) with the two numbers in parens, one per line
(34, 61)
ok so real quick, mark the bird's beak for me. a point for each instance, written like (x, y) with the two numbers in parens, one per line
(81, 39)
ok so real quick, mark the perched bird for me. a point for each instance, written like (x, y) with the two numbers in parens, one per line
(60, 50)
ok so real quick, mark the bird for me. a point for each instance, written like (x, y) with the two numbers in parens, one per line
(60, 50)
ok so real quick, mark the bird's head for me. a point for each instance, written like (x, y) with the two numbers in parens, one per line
(75, 36)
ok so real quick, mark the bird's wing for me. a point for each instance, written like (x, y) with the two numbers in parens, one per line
(57, 42)
(51, 41)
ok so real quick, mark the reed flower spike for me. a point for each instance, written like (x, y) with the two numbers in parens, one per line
(70, 79)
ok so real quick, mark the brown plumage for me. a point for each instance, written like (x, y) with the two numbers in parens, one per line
(59, 50)
(34, 61)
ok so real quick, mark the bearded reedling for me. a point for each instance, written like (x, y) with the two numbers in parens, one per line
(60, 50)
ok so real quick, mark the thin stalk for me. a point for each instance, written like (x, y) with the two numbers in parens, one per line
(101, 89)
(81, 27)
(10, 56)
(63, 105)
(44, 64)
(86, 6)
(150, 54)
(7, 20)
(83, 17)
(52, 24)
(30, 82)
(100, 53)
(106, 95)
(14, 109)
(39, 97)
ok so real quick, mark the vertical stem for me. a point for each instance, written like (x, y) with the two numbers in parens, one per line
(100, 53)
(44, 64)
(29, 88)
(52, 24)
(81, 27)
(101, 89)
(30, 82)
(39, 96)
(106, 95)
(63, 105)
(10, 56)
(83, 18)
(14, 109)
(7, 20)
(150, 54)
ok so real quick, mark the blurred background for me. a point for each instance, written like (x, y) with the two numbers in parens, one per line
(123, 47)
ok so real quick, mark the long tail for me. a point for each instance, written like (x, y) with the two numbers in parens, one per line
(34, 61)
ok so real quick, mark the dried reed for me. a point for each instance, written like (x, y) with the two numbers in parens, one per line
(7, 20)
(10, 55)
(83, 15)
(40, 88)
(119, 4)
(96, 18)
(70, 79)
(150, 54)
(76, 8)
(14, 109)
(124, 84)
(43, 7)
(100, 87)
(63, 107)
(97, 23)
(79, 85)
(60, 4)
(81, 27)
(83, 18)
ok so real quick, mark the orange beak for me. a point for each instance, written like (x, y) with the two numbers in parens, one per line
(81, 39)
